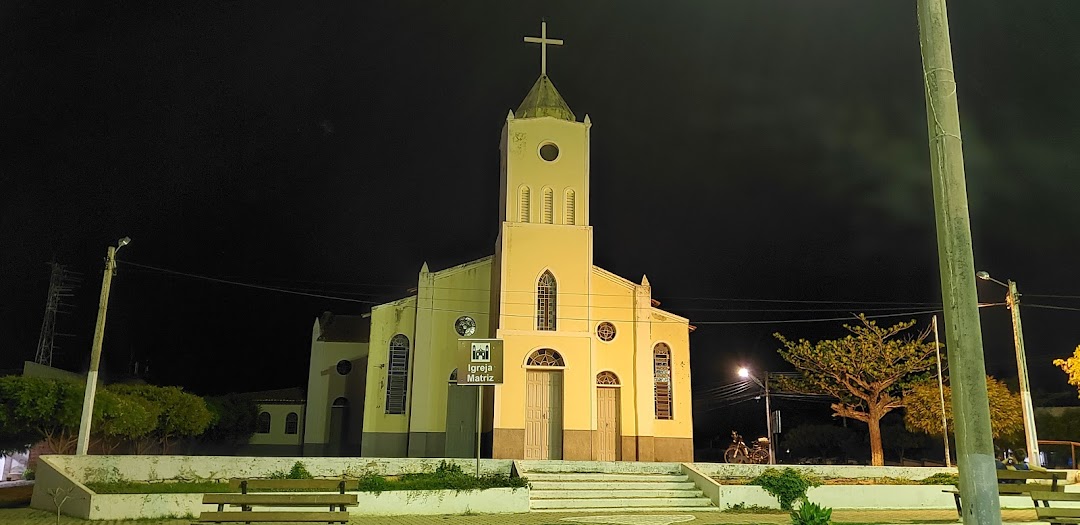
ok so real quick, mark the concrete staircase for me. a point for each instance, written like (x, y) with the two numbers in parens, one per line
(611, 487)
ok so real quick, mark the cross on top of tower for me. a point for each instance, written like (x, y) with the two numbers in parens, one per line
(543, 41)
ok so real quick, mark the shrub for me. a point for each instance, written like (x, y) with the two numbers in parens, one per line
(28, 474)
(941, 478)
(811, 514)
(787, 486)
(298, 471)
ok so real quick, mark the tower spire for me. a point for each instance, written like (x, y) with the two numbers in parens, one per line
(543, 41)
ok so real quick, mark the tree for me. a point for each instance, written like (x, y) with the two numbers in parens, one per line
(865, 371)
(180, 414)
(922, 407)
(235, 416)
(41, 409)
(1071, 366)
(124, 418)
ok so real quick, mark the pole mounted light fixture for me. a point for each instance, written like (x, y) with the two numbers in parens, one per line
(744, 373)
(1012, 298)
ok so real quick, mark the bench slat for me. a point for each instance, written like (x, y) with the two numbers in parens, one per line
(1057, 512)
(1043, 495)
(279, 500)
(1029, 474)
(1023, 489)
(220, 517)
(297, 484)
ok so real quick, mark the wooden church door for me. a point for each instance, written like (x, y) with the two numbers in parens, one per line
(607, 424)
(543, 414)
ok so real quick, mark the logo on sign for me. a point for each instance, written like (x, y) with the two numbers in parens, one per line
(481, 352)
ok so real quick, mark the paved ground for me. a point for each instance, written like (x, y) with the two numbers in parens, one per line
(26, 516)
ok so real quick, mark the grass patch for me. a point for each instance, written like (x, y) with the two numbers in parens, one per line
(138, 487)
(448, 476)
(742, 508)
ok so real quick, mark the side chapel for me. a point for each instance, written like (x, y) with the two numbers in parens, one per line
(594, 370)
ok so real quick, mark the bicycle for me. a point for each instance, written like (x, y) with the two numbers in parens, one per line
(738, 452)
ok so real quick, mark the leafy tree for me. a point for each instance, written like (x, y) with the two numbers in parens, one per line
(1071, 366)
(865, 371)
(180, 414)
(40, 409)
(234, 419)
(124, 418)
(923, 409)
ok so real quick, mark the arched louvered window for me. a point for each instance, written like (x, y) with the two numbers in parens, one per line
(292, 422)
(523, 204)
(607, 378)
(262, 425)
(549, 206)
(545, 302)
(545, 357)
(397, 374)
(568, 198)
(662, 380)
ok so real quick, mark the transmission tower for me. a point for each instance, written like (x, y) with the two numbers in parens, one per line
(62, 282)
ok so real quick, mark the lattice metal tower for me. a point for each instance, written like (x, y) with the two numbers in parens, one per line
(62, 282)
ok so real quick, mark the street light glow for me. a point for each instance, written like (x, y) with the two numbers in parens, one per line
(744, 372)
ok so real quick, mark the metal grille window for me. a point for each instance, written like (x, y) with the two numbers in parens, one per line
(607, 378)
(546, 357)
(523, 204)
(545, 302)
(570, 208)
(549, 206)
(662, 380)
(262, 426)
(397, 374)
(291, 423)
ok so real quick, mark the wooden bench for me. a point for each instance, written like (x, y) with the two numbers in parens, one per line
(1015, 483)
(246, 501)
(1056, 515)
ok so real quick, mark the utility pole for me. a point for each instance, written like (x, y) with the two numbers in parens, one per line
(768, 421)
(941, 394)
(1030, 434)
(971, 407)
(95, 351)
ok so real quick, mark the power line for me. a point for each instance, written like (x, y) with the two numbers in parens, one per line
(1051, 307)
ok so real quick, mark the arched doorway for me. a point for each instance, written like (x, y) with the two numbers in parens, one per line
(607, 417)
(339, 427)
(544, 405)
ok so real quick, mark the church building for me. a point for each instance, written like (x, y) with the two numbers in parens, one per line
(593, 369)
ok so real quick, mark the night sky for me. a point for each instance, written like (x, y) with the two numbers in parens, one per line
(759, 160)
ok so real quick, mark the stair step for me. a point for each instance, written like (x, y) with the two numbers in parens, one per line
(598, 503)
(618, 494)
(593, 476)
(611, 485)
(631, 510)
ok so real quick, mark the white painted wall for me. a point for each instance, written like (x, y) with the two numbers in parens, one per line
(277, 435)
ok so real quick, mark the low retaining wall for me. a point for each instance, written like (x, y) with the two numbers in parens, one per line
(68, 475)
(390, 503)
(825, 471)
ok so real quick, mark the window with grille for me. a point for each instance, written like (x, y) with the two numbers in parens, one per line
(546, 357)
(397, 374)
(523, 204)
(607, 378)
(570, 209)
(549, 206)
(262, 426)
(292, 421)
(545, 302)
(662, 380)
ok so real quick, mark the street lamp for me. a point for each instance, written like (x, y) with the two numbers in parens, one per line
(745, 374)
(95, 351)
(1012, 298)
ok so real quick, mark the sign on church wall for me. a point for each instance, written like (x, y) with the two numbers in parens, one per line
(480, 362)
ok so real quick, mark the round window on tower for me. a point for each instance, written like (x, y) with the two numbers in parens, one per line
(465, 326)
(549, 151)
(605, 331)
(344, 367)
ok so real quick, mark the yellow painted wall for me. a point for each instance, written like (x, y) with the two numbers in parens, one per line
(445, 295)
(673, 330)
(325, 384)
(613, 301)
(387, 320)
(522, 166)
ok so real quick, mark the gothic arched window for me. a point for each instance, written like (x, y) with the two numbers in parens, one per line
(262, 426)
(549, 206)
(662, 380)
(292, 422)
(545, 357)
(546, 290)
(523, 204)
(568, 199)
(397, 374)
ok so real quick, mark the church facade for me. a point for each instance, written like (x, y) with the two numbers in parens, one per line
(594, 370)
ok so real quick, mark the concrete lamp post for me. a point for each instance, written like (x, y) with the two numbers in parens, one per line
(95, 351)
(764, 384)
(1012, 298)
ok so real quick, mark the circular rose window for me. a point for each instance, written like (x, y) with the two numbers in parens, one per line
(344, 367)
(465, 326)
(549, 152)
(605, 331)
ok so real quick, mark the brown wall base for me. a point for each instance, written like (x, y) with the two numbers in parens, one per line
(674, 449)
(509, 443)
